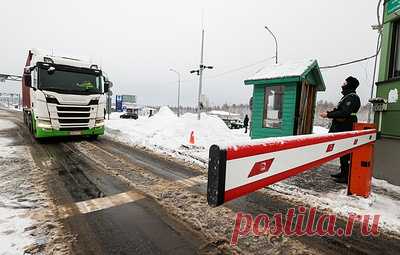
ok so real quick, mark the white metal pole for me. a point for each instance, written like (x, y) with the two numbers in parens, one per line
(200, 75)
(276, 44)
(108, 105)
(179, 94)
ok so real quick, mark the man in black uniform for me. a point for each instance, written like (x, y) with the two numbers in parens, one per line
(343, 117)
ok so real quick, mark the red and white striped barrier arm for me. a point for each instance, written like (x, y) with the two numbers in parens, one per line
(237, 170)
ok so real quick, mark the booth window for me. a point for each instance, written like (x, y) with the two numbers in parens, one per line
(395, 56)
(273, 107)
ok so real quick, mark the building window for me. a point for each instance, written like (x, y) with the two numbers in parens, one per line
(395, 54)
(273, 107)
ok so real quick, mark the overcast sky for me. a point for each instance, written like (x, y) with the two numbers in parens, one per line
(137, 42)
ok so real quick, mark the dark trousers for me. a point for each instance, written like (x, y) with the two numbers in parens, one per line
(245, 129)
(345, 165)
(344, 160)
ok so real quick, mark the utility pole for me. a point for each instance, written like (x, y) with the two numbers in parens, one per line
(179, 88)
(199, 106)
(199, 72)
(109, 94)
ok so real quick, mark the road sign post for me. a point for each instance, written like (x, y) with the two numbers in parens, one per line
(237, 170)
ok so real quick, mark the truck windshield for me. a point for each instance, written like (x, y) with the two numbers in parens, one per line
(69, 82)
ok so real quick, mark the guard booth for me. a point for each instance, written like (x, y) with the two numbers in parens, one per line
(284, 98)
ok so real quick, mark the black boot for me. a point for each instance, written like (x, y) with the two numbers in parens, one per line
(338, 175)
(342, 179)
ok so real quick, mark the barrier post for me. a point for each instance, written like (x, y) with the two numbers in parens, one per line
(361, 166)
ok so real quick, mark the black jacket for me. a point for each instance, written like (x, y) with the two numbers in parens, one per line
(344, 115)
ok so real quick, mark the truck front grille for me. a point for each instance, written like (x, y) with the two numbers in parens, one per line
(73, 109)
(80, 121)
(73, 114)
(72, 118)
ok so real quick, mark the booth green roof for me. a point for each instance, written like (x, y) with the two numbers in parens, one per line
(289, 72)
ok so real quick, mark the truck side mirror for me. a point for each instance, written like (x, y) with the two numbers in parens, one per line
(51, 70)
(27, 76)
(27, 70)
(107, 86)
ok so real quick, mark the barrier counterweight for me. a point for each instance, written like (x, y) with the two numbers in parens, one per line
(236, 170)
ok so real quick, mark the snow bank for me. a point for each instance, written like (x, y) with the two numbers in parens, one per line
(166, 132)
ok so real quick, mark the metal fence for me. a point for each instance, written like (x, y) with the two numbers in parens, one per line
(10, 100)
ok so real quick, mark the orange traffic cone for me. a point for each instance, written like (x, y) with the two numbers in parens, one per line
(191, 140)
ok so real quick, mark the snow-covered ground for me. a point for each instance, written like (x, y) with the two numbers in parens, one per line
(168, 134)
(14, 222)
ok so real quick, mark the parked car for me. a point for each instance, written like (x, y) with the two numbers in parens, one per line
(234, 123)
(130, 114)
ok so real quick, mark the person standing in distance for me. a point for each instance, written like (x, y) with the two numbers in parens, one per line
(246, 123)
(343, 117)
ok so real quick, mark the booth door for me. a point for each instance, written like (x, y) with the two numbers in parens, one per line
(306, 108)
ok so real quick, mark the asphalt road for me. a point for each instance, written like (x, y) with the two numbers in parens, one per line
(137, 227)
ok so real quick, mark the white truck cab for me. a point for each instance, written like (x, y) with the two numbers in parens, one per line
(63, 96)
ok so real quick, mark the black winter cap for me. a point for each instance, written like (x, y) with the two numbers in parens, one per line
(352, 82)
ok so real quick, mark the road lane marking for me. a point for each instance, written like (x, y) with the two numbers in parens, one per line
(97, 204)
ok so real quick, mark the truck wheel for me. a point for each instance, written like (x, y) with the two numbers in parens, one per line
(30, 123)
(25, 121)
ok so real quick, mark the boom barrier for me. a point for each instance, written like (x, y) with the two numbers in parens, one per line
(237, 170)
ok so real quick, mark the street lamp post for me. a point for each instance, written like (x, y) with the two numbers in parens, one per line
(276, 44)
(179, 89)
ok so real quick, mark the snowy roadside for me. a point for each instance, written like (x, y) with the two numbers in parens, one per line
(26, 224)
(165, 133)
(14, 206)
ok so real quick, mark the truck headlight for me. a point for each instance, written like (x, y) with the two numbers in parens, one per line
(51, 99)
(46, 124)
(99, 123)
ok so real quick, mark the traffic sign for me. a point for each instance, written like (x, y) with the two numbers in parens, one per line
(118, 103)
